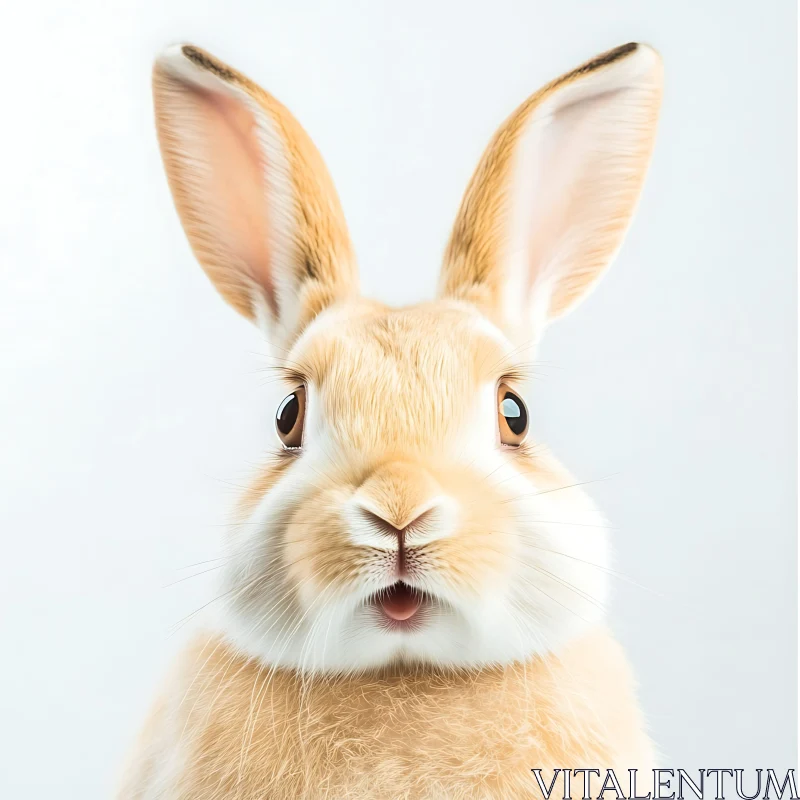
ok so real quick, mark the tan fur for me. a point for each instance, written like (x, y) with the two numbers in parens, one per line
(240, 731)
(395, 398)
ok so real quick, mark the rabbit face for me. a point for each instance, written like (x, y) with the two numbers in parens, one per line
(404, 529)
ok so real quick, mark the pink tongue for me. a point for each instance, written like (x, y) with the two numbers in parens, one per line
(400, 602)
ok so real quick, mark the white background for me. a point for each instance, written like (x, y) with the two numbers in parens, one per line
(134, 401)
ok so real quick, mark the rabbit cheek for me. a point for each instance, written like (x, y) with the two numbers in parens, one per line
(319, 555)
(480, 555)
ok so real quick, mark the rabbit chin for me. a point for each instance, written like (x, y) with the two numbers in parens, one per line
(352, 635)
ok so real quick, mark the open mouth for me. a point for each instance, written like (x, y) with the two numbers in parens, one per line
(400, 603)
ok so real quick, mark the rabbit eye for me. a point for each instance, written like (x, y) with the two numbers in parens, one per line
(512, 416)
(290, 417)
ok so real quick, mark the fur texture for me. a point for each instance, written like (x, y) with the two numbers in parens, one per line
(307, 688)
(228, 728)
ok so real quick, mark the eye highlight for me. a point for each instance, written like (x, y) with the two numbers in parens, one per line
(512, 416)
(290, 418)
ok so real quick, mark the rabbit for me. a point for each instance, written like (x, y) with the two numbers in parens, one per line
(413, 593)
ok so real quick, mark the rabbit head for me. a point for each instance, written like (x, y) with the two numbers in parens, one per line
(406, 514)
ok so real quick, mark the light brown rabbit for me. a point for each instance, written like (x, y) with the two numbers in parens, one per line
(413, 589)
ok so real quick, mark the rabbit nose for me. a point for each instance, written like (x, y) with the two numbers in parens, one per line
(427, 520)
(381, 523)
(400, 502)
(378, 528)
(424, 520)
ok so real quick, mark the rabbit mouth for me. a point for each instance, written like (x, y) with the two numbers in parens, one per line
(400, 604)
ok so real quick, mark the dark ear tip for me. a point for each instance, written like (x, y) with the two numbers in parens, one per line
(200, 58)
(197, 56)
(628, 48)
(646, 54)
(610, 56)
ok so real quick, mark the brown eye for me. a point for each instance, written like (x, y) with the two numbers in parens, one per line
(512, 416)
(290, 417)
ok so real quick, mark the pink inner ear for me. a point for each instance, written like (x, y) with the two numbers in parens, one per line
(566, 179)
(233, 186)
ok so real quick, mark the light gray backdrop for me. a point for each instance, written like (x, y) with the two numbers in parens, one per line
(132, 399)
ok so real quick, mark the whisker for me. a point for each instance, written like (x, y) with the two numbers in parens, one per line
(196, 575)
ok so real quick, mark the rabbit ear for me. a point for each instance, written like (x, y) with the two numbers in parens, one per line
(549, 203)
(252, 192)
